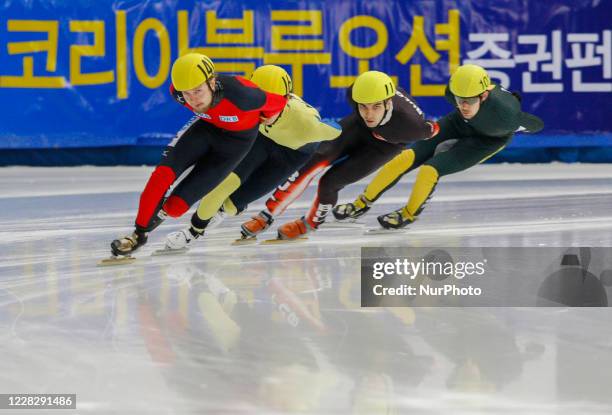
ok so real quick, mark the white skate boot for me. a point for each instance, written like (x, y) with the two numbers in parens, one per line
(178, 242)
(217, 219)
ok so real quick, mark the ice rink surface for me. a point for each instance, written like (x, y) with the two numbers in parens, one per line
(279, 328)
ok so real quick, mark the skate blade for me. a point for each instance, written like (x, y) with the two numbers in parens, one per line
(168, 251)
(343, 225)
(383, 231)
(276, 241)
(116, 260)
(245, 241)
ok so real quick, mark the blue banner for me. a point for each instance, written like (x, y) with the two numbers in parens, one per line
(96, 73)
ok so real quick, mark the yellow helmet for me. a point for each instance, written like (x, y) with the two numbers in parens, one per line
(191, 70)
(470, 81)
(372, 86)
(272, 78)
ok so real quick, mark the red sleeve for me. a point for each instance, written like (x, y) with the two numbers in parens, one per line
(274, 104)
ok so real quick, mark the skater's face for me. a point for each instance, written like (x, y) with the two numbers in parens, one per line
(468, 107)
(373, 114)
(200, 97)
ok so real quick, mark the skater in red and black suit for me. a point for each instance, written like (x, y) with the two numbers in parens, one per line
(228, 111)
(383, 122)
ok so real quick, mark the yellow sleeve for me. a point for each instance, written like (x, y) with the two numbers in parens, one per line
(298, 125)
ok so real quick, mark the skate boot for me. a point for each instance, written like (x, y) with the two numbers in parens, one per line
(294, 230)
(256, 225)
(397, 219)
(181, 239)
(352, 210)
(128, 244)
(217, 219)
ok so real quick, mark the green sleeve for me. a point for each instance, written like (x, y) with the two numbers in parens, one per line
(451, 126)
(499, 114)
(530, 123)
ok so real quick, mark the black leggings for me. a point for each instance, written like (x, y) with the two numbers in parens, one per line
(354, 155)
(467, 148)
(212, 152)
(267, 165)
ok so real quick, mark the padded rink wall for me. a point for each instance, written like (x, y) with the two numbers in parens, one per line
(87, 82)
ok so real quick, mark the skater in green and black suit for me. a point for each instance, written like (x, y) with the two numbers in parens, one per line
(485, 119)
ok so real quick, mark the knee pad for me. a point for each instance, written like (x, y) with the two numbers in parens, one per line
(175, 206)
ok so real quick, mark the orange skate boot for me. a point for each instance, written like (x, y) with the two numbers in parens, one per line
(294, 230)
(256, 225)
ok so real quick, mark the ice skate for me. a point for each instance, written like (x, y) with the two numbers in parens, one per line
(123, 248)
(216, 220)
(352, 211)
(178, 242)
(245, 240)
(257, 224)
(116, 260)
(291, 232)
(128, 244)
(395, 221)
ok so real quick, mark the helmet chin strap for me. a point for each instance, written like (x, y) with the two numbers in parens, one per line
(213, 97)
(387, 115)
(212, 91)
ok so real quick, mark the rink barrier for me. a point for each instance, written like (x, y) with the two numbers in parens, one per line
(147, 149)
(91, 69)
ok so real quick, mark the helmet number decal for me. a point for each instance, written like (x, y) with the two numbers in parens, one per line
(206, 68)
(484, 82)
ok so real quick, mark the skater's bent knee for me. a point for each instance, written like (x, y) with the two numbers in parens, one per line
(175, 206)
(428, 172)
(331, 183)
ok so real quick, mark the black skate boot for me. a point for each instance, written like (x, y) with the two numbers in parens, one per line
(352, 210)
(397, 219)
(128, 244)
